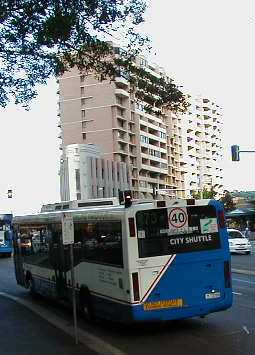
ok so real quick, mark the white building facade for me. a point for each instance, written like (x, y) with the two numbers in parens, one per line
(84, 174)
(202, 146)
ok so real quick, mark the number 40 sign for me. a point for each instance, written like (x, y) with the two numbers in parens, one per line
(178, 218)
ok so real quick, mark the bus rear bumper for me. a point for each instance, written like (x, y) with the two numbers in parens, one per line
(129, 314)
(139, 314)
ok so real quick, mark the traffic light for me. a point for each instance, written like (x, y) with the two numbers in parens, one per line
(128, 198)
(9, 193)
(235, 153)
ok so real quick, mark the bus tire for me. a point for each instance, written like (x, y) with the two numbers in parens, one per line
(85, 304)
(30, 285)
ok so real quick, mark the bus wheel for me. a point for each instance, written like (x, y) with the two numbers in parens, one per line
(85, 304)
(30, 285)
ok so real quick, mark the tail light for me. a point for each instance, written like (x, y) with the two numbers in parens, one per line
(161, 203)
(227, 274)
(221, 219)
(131, 223)
(135, 281)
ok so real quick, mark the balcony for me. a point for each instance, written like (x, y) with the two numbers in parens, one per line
(154, 168)
(121, 82)
(121, 93)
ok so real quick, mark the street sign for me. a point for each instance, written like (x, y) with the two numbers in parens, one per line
(67, 228)
(68, 239)
(178, 218)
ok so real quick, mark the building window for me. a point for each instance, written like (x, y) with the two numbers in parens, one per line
(144, 139)
(143, 62)
(83, 125)
(78, 196)
(162, 135)
(119, 100)
(82, 78)
(82, 91)
(83, 102)
(82, 113)
(143, 183)
(120, 112)
(84, 136)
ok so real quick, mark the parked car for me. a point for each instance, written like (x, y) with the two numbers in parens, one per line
(238, 243)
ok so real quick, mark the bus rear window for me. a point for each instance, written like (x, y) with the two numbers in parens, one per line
(177, 230)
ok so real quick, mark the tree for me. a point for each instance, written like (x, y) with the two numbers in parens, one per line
(40, 38)
(207, 194)
(227, 200)
(158, 93)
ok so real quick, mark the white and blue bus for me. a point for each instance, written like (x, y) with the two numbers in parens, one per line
(6, 234)
(151, 261)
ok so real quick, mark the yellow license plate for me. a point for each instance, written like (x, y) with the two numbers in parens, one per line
(175, 303)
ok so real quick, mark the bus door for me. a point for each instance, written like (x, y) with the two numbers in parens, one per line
(58, 259)
(18, 259)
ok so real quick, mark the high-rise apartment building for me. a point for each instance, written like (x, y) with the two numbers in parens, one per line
(107, 114)
(202, 130)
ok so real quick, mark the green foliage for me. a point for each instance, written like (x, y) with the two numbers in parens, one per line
(227, 200)
(157, 92)
(40, 38)
(207, 194)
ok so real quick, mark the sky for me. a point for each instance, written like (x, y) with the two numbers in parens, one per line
(206, 46)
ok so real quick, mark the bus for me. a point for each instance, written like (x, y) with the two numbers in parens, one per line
(6, 234)
(134, 262)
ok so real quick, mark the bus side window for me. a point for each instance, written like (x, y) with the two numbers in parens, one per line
(99, 242)
(34, 244)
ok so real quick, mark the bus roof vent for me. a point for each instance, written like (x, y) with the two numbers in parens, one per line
(112, 201)
(75, 204)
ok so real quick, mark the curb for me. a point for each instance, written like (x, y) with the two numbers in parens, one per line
(244, 272)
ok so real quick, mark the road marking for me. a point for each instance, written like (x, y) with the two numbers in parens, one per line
(246, 329)
(243, 272)
(237, 293)
(91, 341)
(247, 282)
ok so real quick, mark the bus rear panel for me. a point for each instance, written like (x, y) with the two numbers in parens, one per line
(186, 262)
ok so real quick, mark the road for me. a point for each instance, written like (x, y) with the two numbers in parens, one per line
(230, 333)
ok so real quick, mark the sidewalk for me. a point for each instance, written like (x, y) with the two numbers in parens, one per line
(24, 333)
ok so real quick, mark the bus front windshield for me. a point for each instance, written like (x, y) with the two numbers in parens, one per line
(177, 230)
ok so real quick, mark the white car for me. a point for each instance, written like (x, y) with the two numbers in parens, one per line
(238, 243)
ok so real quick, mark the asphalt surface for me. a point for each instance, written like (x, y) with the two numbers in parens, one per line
(24, 331)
